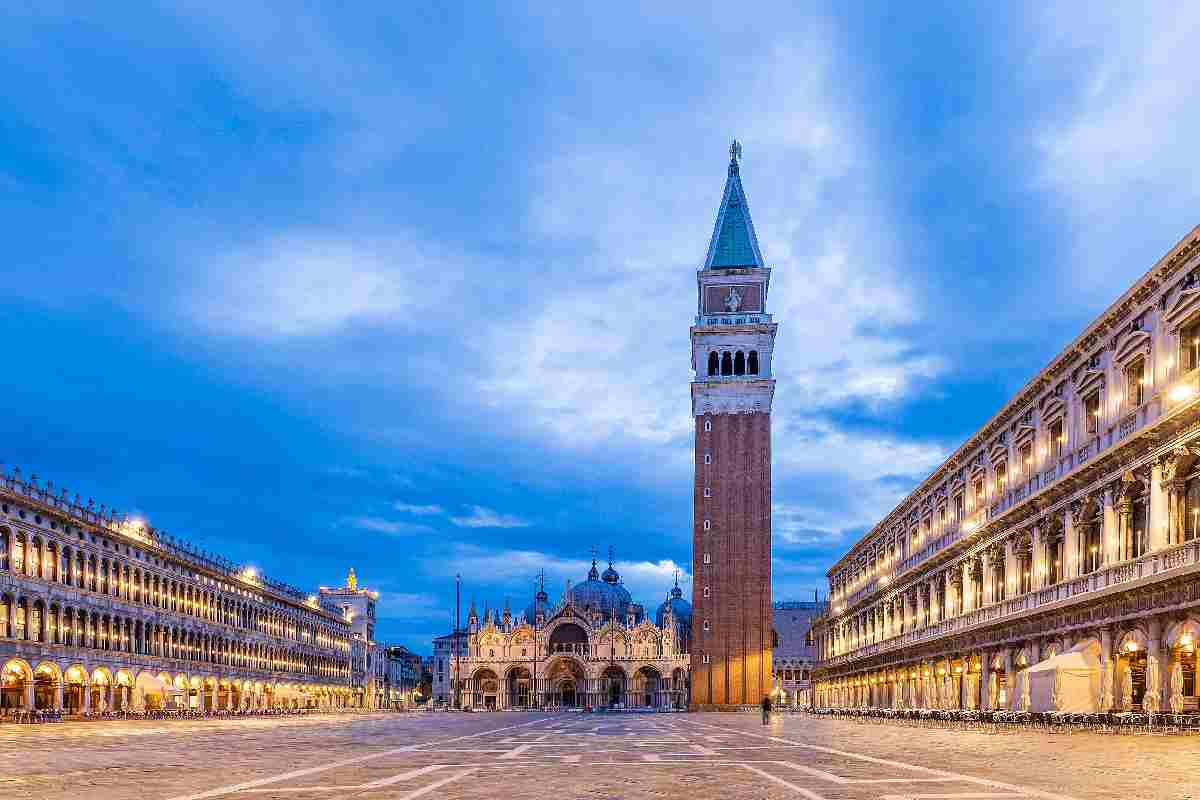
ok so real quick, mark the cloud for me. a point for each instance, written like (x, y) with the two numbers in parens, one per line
(421, 511)
(515, 571)
(388, 526)
(481, 517)
(1117, 148)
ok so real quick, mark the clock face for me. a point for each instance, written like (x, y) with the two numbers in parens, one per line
(745, 298)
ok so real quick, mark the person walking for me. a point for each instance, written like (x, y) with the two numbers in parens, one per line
(766, 709)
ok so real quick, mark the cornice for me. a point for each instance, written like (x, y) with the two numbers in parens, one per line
(1095, 334)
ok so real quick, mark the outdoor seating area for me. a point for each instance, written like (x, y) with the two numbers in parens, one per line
(1131, 722)
(34, 717)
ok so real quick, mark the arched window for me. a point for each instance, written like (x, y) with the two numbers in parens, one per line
(739, 364)
(752, 363)
(726, 363)
(714, 363)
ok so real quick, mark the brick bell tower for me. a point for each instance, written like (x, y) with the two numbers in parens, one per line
(732, 390)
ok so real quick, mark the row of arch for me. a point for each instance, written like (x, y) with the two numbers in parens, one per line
(33, 620)
(55, 562)
(79, 689)
(566, 683)
(1136, 672)
(733, 363)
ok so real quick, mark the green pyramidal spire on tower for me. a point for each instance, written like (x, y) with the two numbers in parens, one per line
(733, 241)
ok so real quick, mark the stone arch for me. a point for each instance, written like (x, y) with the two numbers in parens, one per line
(714, 362)
(647, 686)
(726, 363)
(566, 679)
(752, 363)
(614, 685)
(568, 636)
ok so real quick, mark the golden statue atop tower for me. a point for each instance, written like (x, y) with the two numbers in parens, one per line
(352, 581)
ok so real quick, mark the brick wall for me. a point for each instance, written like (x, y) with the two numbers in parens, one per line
(738, 578)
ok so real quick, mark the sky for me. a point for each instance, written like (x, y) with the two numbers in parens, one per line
(407, 288)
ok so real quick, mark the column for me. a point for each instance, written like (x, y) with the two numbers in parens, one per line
(968, 593)
(1037, 559)
(921, 619)
(1157, 525)
(1110, 540)
(1106, 670)
(58, 695)
(986, 560)
(1072, 560)
(985, 681)
(87, 696)
(1011, 569)
(1009, 679)
(1156, 699)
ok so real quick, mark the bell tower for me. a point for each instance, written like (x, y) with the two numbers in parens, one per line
(732, 389)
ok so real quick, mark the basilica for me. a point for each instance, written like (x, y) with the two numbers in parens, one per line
(594, 648)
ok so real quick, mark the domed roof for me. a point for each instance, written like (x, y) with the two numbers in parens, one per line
(681, 608)
(601, 595)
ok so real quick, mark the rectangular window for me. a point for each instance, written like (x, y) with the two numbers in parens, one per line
(707, 592)
(705, 659)
(1001, 478)
(958, 507)
(1027, 458)
(707, 558)
(1057, 439)
(1135, 383)
(707, 458)
(1091, 412)
(707, 492)
(1189, 345)
(706, 625)
(979, 493)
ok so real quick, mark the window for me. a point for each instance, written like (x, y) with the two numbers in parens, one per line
(1001, 478)
(1191, 520)
(958, 507)
(705, 659)
(707, 491)
(1057, 439)
(739, 363)
(979, 493)
(726, 363)
(707, 425)
(714, 363)
(752, 363)
(1091, 412)
(1135, 383)
(1026, 453)
(707, 592)
(707, 458)
(707, 525)
(1189, 345)
(707, 558)
(706, 625)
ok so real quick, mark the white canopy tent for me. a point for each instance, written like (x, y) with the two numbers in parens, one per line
(1068, 682)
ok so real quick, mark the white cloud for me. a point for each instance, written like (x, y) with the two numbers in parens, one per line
(516, 571)
(421, 511)
(604, 358)
(315, 283)
(481, 517)
(1117, 149)
(388, 526)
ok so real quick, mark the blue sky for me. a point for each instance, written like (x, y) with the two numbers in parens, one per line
(408, 290)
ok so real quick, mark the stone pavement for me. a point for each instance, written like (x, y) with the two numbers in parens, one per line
(597, 757)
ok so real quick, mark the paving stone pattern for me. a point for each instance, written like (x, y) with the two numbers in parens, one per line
(585, 756)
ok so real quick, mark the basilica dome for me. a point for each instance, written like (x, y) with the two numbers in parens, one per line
(607, 596)
(681, 608)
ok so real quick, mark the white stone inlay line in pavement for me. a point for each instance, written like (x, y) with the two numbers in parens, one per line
(345, 762)
(800, 790)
